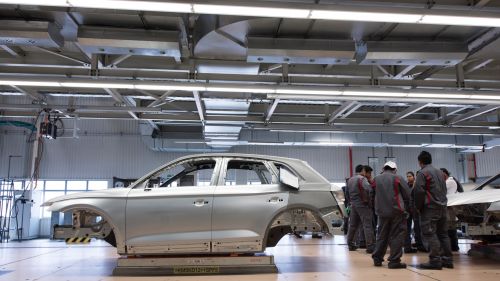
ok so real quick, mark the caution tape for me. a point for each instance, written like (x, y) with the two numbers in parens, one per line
(78, 240)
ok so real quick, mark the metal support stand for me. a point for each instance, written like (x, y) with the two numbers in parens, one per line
(491, 251)
(194, 265)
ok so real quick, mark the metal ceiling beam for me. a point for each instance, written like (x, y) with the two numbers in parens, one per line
(351, 111)
(271, 109)
(476, 65)
(340, 110)
(33, 94)
(384, 70)
(481, 3)
(13, 50)
(375, 129)
(115, 62)
(407, 112)
(161, 99)
(106, 112)
(474, 113)
(481, 42)
(429, 72)
(119, 98)
(63, 56)
(404, 71)
(199, 106)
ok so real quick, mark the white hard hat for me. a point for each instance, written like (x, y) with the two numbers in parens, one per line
(391, 165)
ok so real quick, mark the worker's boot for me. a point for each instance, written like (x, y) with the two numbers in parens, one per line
(447, 262)
(396, 265)
(352, 248)
(370, 249)
(432, 265)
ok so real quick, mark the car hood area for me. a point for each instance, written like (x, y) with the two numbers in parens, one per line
(474, 197)
(108, 193)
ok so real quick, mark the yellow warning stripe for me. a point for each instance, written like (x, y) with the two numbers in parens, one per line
(78, 240)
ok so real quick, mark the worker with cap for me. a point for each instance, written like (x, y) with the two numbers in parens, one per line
(391, 203)
(430, 201)
(359, 190)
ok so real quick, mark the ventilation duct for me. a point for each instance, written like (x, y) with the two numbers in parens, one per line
(30, 33)
(121, 41)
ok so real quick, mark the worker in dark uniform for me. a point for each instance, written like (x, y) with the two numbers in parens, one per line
(361, 214)
(419, 243)
(361, 234)
(391, 209)
(430, 202)
(410, 177)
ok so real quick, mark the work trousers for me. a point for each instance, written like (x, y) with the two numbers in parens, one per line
(361, 216)
(415, 221)
(391, 232)
(434, 224)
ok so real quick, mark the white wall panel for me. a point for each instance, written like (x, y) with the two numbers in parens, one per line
(14, 144)
(488, 162)
(114, 148)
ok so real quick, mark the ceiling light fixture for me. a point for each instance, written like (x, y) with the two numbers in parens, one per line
(365, 16)
(236, 10)
(323, 12)
(273, 91)
(153, 6)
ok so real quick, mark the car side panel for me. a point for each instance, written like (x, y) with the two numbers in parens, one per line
(242, 213)
(169, 220)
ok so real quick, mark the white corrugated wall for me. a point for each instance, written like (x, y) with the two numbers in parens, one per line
(488, 162)
(114, 148)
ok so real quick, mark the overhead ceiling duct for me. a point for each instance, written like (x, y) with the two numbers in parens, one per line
(30, 33)
(300, 51)
(122, 41)
(169, 138)
(220, 37)
(412, 53)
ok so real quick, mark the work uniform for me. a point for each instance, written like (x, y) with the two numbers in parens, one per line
(430, 202)
(361, 214)
(361, 232)
(415, 216)
(391, 201)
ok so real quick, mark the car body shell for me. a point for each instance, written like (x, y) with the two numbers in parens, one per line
(208, 219)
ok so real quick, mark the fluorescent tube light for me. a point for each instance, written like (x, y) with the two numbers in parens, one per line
(308, 92)
(365, 16)
(458, 20)
(250, 11)
(55, 3)
(29, 83)
(96, 85)
(154, 6)
(170, 87)
(443, 96)
(374, 94)
(239, 89)
(485, 97)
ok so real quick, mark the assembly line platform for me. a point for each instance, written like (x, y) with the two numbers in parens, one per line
(195, 265)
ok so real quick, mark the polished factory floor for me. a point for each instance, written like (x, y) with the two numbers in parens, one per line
(297, 259)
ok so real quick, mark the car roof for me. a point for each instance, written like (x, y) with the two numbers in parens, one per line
(243, 155)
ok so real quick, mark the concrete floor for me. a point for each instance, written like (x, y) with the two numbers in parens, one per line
(297, 259)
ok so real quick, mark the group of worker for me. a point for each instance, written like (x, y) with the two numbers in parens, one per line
(389, 203)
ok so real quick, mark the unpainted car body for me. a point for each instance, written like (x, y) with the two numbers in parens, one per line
(478, 210)
(214, 203)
